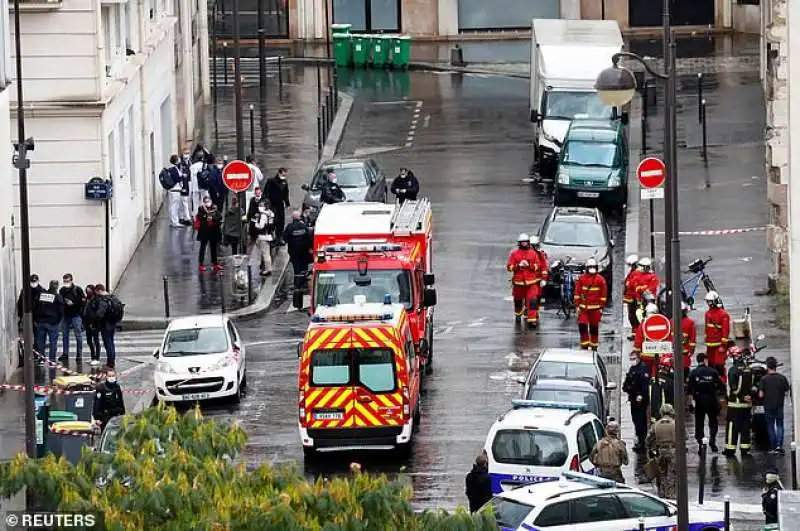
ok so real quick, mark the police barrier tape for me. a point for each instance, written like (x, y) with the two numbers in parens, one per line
(95, 430)
(62, 368)
(47, 390)
(720, 232)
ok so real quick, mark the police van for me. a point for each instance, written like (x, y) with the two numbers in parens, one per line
(536, 441)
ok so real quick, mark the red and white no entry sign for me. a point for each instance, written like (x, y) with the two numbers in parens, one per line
(652, 172)
(237, 176)
(656, 327)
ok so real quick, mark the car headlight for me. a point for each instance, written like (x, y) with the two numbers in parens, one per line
(614, 180)
(563, 177)
(165, 366)
(227, 361)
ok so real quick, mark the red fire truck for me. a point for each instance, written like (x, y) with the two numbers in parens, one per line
(381, 252)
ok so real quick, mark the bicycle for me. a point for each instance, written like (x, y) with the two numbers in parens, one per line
(691, 285)
(566, 272)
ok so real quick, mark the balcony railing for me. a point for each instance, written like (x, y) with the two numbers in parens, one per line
(36, 5)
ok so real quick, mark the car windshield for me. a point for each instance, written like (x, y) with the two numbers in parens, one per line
(193, 341)
(570, 105)
(345, 177)
(344, 285)
(509, 514)
(566, 396)
(529, 447)
(560, 369)
(568, 233)
(584, 153)
(372, 368)
(108, 442)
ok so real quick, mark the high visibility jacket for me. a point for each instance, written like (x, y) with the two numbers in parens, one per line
(631, 281)
(524, 275)
(591, 292)
(544, 264)
(740, 385)
(718, 327)
(639, 339)
(689, 339)
(646, 282)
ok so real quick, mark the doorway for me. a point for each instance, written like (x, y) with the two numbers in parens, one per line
(368, 16)
(647, 13)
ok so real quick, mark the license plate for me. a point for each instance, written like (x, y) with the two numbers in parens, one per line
(196, 396)
(589, 195)
(329, 415)
(758, 410)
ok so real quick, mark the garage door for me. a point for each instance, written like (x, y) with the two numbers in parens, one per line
(496, 14)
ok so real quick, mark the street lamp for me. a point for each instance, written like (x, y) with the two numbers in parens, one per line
(616, 86)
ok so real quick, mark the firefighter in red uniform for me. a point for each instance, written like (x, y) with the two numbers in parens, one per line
(544, 266)
(646, 280)
(523, 262)
(591, 294)
(688, 339)
(718, 329)
(629, 293)
(649, 358)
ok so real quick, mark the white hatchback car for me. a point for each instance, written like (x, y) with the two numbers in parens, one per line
(202, 357)
(591, 503)
(536, 441)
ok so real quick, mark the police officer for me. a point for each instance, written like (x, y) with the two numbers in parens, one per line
(108, 400)
(769, 496)
(48, 313)
(298, 239)
(609, 454)
(636, 385)
(740, 398)
(331, 192)
(661, 442)
(704, 384)
(662, 387)
(405, 186)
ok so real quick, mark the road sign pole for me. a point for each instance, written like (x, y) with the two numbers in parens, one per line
(652, 230)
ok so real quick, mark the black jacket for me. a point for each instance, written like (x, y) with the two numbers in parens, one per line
(278, 192)
(35, 292)
(97, 309)
(298, 239)
(769, 504)
(637, 383)
(75, 295)
(331, 193)
(108, 402)
(662, 391)
(704, 383)
(49, 308)
(409, 183)
(479, 488)
(252, 207)
(210, 222)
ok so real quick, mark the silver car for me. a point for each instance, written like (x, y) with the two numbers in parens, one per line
(361, 180)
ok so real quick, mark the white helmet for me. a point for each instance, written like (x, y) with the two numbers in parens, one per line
(523, 238)
(632, 260)
(645, 263)
(712, 297)
(651, 309)
(591, 263)
(535, 239)
(684, 307)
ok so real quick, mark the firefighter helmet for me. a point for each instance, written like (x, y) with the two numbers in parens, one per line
(684, 307)
(651, 309)
(534, 240)
(712, 298)
(591, 263)
(523, 238)
(645, 263)
(632, 260)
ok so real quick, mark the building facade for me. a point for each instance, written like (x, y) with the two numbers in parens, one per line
(101, 101)
(9, 283)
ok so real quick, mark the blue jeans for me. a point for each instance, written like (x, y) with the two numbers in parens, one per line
(774, 426)
(75, 324)
(47, 333)
(107, 331)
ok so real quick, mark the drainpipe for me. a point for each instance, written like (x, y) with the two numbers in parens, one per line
(205, 74)
(793, 83)
(100, 57)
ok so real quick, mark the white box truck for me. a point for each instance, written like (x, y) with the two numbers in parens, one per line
(566, 57)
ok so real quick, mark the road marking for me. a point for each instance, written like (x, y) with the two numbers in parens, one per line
(413, 125)
(419, 104)
(426, 121)
(137, 368)
(366, 152)
(394, 102)
(273, 342)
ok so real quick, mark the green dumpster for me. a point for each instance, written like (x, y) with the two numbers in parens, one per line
(401, 51)
(381, 46)
(342, 51)
(360, 50)
(70, 437)
(340, 29)
(57, 417)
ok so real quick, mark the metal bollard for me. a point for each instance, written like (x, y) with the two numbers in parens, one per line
(225, 62)
(645, 98)
(727, 522)
(641, 523)
(644, 134)
(702, 487)
(252, 130)
(793, 448)
(700, 117)
(704, 130)
(324, 124)
(221, 293)
(166, 296)
(249, 282)
(280, 76)
(319, 135)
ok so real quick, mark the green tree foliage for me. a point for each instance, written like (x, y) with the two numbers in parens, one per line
(179, 473)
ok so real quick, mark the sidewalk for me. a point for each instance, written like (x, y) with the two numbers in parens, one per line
(173, 252)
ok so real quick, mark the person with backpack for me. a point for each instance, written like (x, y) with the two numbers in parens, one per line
(198, 182)
(261, 229)
(92, 331)
(232, 226)
(208, 223)
(74, 299)
(171, 179)
(106, 311)
(216, 188)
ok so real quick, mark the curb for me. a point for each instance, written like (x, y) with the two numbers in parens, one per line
(415, 66)
(266, 296)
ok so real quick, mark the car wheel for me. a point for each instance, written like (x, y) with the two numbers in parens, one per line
(239, 394)
(309, 454)
(404, 451)
(243, 384)
(417, 418)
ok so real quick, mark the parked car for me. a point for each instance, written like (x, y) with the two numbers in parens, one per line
(202, 357)
(361, 180)
(570, 364)
(593, 165)
(572, 235)
(563, 391)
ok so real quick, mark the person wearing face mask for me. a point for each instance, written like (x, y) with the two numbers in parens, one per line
(232, 226)
(278, 195)
(108, 401)
(179, 214)
(591, 294)
(405, 186)
(523, 264)
(208, 222)
(49, 314)
(36, 290)
(331, 192)
(257, 199)
(636, 386)
(74, 300)
(198, 178)
(261, 228)
(90, 326)
(216, 188)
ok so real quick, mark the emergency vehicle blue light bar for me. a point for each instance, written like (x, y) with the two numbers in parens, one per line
(372, 247)
(388, 316)
(588, 479)
(572, 406)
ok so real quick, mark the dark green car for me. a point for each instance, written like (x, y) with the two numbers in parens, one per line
(593, 165)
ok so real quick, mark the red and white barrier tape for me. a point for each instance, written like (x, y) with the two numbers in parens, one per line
(720, 232)
(48, 390)
(62, 368)
(76, 433)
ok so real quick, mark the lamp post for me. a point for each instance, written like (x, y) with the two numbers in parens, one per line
(616, 87)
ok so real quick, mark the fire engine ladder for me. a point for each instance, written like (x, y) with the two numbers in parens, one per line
(410, 216)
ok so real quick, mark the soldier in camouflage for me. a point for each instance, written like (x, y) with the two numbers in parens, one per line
(609, 454)
(661, 443)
